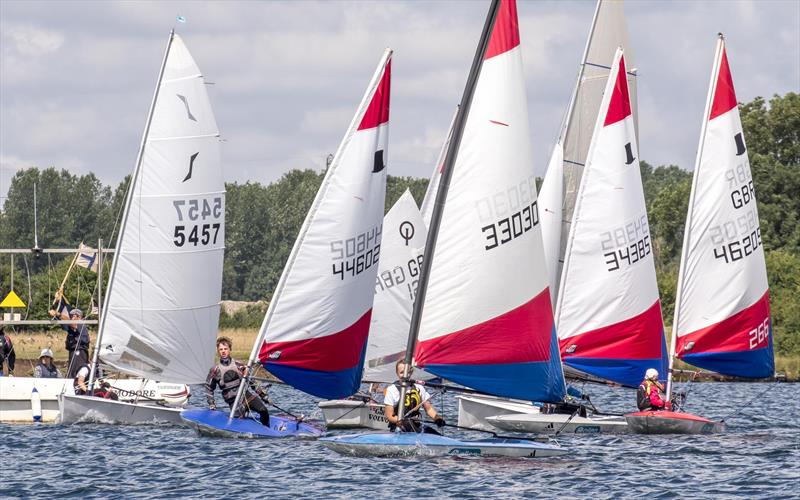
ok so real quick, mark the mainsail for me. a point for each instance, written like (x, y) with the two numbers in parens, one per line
(486, 318)
(607, 32)
(609, 314)
(722, 317)
(315, 330)
(162, 308)
(402, 248)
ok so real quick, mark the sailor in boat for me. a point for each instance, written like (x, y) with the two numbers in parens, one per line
(77, 338)
(7, 354)
(81, 379)
(105, 392)
(227, 375)
(650, 395)
(416, 397)
(45, 368)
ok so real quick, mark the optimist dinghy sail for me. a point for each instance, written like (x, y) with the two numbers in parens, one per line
(609, 314)
(162, 308)
(314, 334)
(483, 312)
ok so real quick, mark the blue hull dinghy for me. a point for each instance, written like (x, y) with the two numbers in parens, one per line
(402, 444)
(216, 424)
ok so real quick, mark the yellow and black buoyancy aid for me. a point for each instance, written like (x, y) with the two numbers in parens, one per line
(412, 402)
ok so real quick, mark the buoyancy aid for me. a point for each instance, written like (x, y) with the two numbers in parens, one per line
(412, 402)
(45, 371)
(75, 385)
(229, 379)
(643, 400)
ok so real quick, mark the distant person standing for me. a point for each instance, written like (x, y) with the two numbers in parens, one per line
(77, 338)
(46, 368)
(7, 354)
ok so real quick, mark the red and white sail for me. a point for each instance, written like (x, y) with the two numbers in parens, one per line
(608, 314)
(722, 312)
(315, 331)
(402, 249)
(487, 318)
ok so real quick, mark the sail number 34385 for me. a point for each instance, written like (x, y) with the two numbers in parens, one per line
(200, 210)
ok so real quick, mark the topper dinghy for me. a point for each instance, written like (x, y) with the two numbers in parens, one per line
(722, 316)
(314, 334)
(482, 313)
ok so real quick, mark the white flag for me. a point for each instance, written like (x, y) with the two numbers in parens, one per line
(87, 257)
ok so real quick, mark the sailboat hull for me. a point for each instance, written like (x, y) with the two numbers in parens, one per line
(401, 444)
(213, 423)
(83, 409)
(549, 423)
(353, 414)
(473, 411)
(670, 422)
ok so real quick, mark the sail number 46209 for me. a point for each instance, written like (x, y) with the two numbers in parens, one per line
(201, 210)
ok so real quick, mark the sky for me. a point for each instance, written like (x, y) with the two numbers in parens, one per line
(77, 78)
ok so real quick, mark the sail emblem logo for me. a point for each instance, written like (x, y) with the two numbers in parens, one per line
(740, 147)
(191, 166)
(407, 231)
(275, 355)
(628, 154)
(378, 163)
(185, 102)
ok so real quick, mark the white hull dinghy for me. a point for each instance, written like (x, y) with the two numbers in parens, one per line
(88, 409)
(161, 315)
(722, 313)
(403, 444)
(354, 413)
(17, 400)
(474, 410)
(562, 423)
(483, 317)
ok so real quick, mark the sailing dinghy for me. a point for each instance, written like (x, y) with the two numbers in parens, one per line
(482, 317)
(402, 245)
(556, 208)
(314, 334)
(162, 308)
(722, 319)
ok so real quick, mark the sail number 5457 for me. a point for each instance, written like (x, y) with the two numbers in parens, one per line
(196, 234)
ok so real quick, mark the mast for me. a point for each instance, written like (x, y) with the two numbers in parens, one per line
(687, 229)
(326, 182)
(441, 195)
(128, 202)
(96, 353)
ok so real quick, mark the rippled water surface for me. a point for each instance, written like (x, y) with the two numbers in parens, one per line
(757, 457)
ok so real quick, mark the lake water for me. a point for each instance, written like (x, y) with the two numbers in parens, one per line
(757, 457)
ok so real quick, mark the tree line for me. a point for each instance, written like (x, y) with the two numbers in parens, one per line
(262, 222)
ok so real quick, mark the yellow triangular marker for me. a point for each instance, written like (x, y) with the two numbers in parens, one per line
(12, 300)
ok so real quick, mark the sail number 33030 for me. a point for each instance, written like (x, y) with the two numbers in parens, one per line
(198, 217)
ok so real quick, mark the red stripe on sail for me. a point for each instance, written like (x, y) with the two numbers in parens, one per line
(724, 95)
(620, 106)
(505, 35)
(639, 337)
(378, 110)
(521, 335)
(335, 352)
(746, 330)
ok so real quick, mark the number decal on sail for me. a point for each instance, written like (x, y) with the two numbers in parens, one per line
(759, 334)
(355, 255)
(196, 234)
(197, 209)
(400, 275)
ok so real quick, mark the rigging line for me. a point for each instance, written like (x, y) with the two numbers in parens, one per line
(574, 163)
(749, 401)
(30, 288)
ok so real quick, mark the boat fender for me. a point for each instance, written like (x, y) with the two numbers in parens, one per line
(36, 405)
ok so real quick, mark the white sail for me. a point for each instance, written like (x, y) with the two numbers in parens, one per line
(162, 308)
(550, 210)
(608, 31)
(402, 249)
(722, 312)
(315, 330)
(433, 185)
(608, 314)
(487, 319)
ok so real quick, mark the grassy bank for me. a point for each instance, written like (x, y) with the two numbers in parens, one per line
(28, 345)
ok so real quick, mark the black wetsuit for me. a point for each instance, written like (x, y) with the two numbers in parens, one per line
(226, 375)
